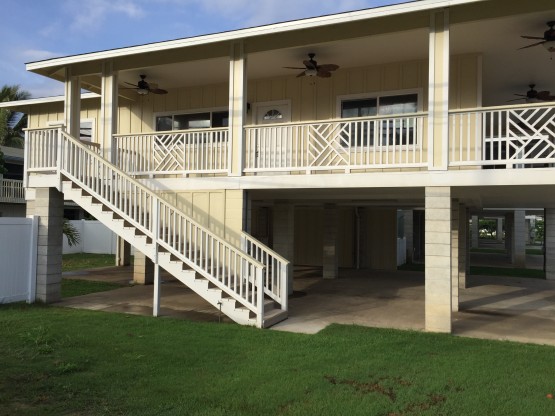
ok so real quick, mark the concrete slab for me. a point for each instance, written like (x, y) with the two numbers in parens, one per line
(515, 309)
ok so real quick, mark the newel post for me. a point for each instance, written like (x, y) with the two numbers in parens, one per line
(260, 296)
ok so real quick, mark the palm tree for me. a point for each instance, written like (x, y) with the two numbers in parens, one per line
(12, 123)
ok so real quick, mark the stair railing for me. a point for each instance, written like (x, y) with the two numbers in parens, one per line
(227, 267)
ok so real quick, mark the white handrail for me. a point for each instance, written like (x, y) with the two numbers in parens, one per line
(173, 152)
(12, 190)
(350, 143)
(276, 273)
(227, 267)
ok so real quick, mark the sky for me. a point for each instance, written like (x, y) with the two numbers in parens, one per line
(34, 30)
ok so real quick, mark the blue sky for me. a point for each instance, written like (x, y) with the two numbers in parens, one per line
(40, 29)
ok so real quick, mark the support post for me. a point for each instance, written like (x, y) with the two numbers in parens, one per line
(549, 238)
(455, 251)
(156, 300)
(438, 286)
(330, 258)
(123, 252)
(237, 107)
(438, 93)
(284, 235)
(475, 235)
(108, 110)
(463, 245)
(72, 104)
(409, 233)
(520, 235)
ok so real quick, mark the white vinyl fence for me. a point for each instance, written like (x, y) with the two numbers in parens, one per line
(18, 255)
(95, 237)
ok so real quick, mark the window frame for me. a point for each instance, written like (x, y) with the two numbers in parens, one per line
(173, 113)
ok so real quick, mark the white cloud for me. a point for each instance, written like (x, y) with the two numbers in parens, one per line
(89, 16)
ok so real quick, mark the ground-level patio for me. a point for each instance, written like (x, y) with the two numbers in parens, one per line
(519, 309)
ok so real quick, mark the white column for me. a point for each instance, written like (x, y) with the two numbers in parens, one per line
(438, 285)
(156, 295)
(237, 106)
(72, 104)
(455, 251)
(108, 109)
(330, 258)
(475, 232)
(520, 234)
(499, 232)
(409, 233)
(284, 235)
(438, 91)
(549, 230)
(463, 245)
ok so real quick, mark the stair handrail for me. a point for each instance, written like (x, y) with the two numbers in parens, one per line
(103, 173)
(276, 273)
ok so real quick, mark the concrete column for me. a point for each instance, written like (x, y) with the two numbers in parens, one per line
(143, 269)
(475, 232)
(499, 232)
(463, 245)
(509, 232)
(284, 234)
(549, 229)
(330, 258)
(72, 104)
(438, 90)
(123, 252)
(237, 105)
(455, 250)
(49, 207)
(409, 233)
(108, 109)
(520, 234)
(438, 285)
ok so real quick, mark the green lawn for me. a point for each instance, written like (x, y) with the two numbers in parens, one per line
(80, 261)
(57, 361)
(75, 287)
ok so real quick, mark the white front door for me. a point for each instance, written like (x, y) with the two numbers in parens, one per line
(271, 144)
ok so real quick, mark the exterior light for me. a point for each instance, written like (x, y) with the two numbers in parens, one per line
(142, 91)
(311, 72)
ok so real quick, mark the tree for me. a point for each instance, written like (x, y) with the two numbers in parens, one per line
(71, 233)
(2, 166)
(12, 123)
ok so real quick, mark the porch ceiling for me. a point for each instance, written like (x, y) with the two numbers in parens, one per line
(506, 70)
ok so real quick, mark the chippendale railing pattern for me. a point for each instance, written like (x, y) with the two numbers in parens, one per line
(340, 144)
(512, 135)
(173, 152)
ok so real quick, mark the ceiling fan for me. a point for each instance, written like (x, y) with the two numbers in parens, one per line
(548, 39)
(143, 87)
(532, 95)
(312, 68)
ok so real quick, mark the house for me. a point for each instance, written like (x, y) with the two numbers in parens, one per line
(12, 193)
(223, 165)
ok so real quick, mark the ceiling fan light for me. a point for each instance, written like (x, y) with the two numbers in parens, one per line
(311, 72)
(142, 91)
(550, 45)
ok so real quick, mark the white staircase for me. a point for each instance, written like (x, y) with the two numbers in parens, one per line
(250, 288)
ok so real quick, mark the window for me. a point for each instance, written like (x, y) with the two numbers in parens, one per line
(273, 115)
(190, 121)
(86, 130)
(393, 131)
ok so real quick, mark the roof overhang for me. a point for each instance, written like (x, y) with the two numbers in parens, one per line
(23, 105)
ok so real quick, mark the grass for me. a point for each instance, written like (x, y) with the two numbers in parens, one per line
(64, 361)
(485, 271)
(81, 261)
(76, 287)
(532, 251)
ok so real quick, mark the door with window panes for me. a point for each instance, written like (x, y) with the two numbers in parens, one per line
(383, 131)
(272, 146)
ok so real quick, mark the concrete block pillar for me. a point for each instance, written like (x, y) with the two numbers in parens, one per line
(475, 231)
(330, 259)
(123, 252)
(455, 241)
(509, 233)
(499, 232)
(408, 218)
(549, 224)
(463, 245)
(520, 236)
(143, 269)
(438, 286)
(49, 207)
(284, 234)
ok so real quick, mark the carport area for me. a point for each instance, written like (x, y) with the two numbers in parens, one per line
(492, 307)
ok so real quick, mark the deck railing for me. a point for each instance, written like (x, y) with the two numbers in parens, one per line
(513, 136)
(173, 152)
(12, 191)
(355, 143)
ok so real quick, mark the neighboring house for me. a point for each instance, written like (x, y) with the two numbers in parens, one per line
(313, 162)
(12, 194)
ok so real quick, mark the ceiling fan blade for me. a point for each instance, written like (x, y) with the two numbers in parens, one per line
(324, 74)
(128, 88)
(543, 95)
(328, 67)
(158, 91)
(534, 44)
(532, 37)
(521, 95)
(517, 99)
(302, 74)
(128, 83)
(292, 67)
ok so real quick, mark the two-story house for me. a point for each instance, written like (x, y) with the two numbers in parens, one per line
(228, 157)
